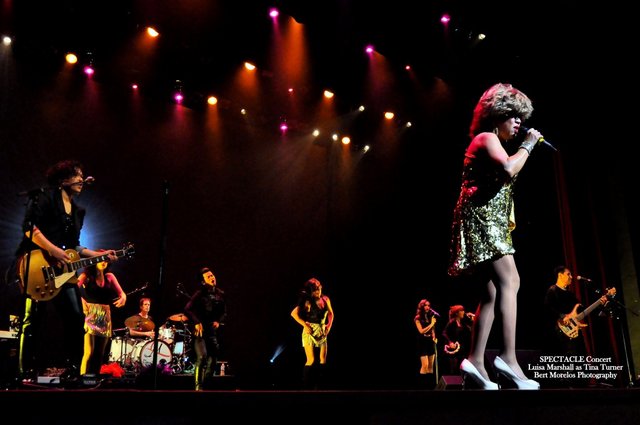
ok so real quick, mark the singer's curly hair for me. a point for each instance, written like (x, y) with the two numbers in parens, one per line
(63, 170)
(498, 103)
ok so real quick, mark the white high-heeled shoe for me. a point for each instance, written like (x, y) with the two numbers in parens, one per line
(469, 370)
(503, 369)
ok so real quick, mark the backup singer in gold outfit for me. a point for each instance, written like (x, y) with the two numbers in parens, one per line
(482, 223)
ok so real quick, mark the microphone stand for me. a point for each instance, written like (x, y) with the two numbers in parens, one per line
(612, 308)
(23, 273)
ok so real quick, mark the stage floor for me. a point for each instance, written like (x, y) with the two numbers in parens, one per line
(102, 405)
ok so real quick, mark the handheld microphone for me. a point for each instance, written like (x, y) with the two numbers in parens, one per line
(586, 279)
(88, 180)
(522, 130)
(435, 313)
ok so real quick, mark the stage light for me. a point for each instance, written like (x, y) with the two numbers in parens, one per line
(328, 94)
(346, 140)
(71, 58)
(389, 115)
(212, 100)
(279, 350)
(361, 108)
(249, 66)
(407, 67)
(316, 133)
(445, 19)
(134, 86)
(151, 32)
(177, 94)
(89, 70)
(369, 49)
(334, 137)
(6, 40)
(273, 12)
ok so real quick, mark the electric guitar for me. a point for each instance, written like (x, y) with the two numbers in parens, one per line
(45, 277)
(574, 323)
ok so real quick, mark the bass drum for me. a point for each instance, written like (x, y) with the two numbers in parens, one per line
(121, 350)
(143, 353)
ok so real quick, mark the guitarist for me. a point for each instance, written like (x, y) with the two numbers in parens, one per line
(559, 302)
(55, 220)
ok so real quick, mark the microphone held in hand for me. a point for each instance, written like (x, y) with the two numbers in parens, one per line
(435, 313)
(522, 130)
(585, 279)
(88, 180)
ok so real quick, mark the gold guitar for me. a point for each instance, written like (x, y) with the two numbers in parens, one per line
(574, 319)
(45, 280)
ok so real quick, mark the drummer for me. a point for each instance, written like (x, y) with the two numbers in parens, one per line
(141, 325)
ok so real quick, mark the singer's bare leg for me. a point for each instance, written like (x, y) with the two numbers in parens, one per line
(426, 364)
(323, 353)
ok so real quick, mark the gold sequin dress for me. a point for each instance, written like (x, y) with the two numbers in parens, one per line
(483, 217)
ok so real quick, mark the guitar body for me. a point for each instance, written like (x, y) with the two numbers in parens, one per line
(575, 319)
(573, 326)
(45, 278)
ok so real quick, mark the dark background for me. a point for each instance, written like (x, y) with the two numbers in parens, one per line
(267, 211)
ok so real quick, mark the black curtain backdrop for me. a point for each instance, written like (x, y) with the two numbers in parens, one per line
(267, 211)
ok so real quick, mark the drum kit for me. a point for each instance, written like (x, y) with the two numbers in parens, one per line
(136, 354)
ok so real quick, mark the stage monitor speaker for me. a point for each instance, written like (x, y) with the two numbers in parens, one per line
(450, 382)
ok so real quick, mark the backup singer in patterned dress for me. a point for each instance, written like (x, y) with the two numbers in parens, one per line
(315, 314)
(98, 288)
(483, 219)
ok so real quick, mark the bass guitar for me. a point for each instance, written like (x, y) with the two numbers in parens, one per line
(571, 324)
(45, 278)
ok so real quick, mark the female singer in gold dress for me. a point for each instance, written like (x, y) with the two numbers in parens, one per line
(482, 223)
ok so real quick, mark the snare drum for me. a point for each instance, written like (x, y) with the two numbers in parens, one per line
(121, 350)
(143, 353)
(167, 334)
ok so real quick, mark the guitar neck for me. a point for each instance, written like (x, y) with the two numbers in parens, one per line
(587, 311)
(91, 261)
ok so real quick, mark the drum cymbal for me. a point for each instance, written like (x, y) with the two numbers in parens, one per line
(139, 324)
(178, 318)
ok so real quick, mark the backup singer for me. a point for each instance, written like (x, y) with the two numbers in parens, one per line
(457, 336)
(207, 309)
(315, 314)
(425, 321)
(98, 287)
